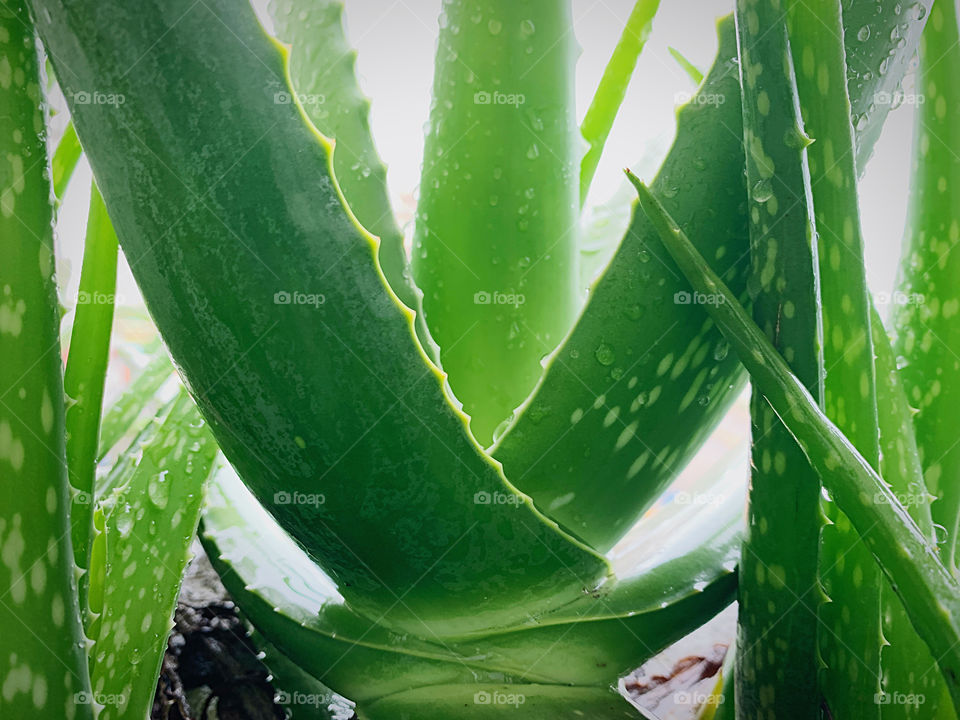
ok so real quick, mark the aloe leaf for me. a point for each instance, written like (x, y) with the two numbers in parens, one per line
(904, 652)
(776, 633)
(850, 579)
(495, 244)
(86, 370)
(351, 457)
(695, 73)
(137, 405)
(294, 603)
(149, 524)
(302, 695)
(323, 73)
(928, 590)
(633, 350)
(609, 96)
(65, 159)
(43, 667)
(925, 320)
(482, 701)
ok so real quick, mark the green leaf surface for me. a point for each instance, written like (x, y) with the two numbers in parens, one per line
(928, 590)
(482, 701)
(495, 245)
(323, 74)
(908, 667)
(609, 96)
(149, 523)
(695, 73)
(43, 668)
(86, 370)
(635, 352)
(290, 600)
(925, 319)
(64, 161)
(779, 591)
(851, 580)
(417, 525)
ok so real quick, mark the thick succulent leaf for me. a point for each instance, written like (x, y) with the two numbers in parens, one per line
(928, 590)
(905, 653)
(850, 578)
(64, 160)
(606, 103)
(323, 74)
(777, 632)
(636, 352)
(149, 523)
(416, 523)
(43, 667)
(86, 370)
(299, 693)
(482, 701)
(290, 600)
(928, 334)
(495, 245)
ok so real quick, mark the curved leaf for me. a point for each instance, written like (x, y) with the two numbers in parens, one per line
(928, 590)
(495, 244)
(86, 370)
(294, 603)
(639, 351)
(149, 523)
(777, 634)
(43, 666)
(368, 465)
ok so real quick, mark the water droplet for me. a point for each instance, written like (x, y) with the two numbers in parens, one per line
(762, 191)
(863, 34)
(125, 520)
(721, 351)
(494, 26)
(605, 355)
(527, 28)
(534, 152)
(494, 200)
(703, 400)
(158, 490)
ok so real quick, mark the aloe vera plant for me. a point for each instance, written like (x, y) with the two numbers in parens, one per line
(424, 477)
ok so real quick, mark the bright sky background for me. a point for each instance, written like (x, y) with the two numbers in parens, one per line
(396, 41)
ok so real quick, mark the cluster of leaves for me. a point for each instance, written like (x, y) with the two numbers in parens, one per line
(439, 543)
